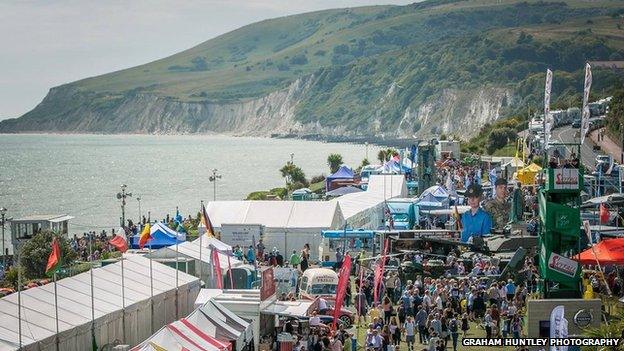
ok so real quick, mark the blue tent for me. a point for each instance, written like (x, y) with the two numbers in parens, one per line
(343, 173)
(161, 236)
(433, 198)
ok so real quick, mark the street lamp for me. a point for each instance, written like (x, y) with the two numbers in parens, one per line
(139, 201)
(122, 196)
(2, 213)
(213, 178)
(292, 155)
(366, 143)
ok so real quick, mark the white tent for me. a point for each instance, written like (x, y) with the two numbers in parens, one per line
(365, 209)
(74, 307)
(220, 323)
(190, 250)
(179, 336)
(287, 225)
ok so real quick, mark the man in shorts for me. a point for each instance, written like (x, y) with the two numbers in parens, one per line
(409, 328)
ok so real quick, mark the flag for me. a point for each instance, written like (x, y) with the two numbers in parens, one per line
(493, 177)
(119, 241)
(54, 259)
(341, 290)
(413, 154)
(604, 214)
(206, 222)
(547, 122)
(146, 235)
(585, 113)
(379, 270)
(216, 265)
(558, 328)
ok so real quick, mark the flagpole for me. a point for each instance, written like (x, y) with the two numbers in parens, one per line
(176, 278)
(201, 236)
(19, 295)
(92, 298)
(123, 301)
(56, 312)
(151, 287)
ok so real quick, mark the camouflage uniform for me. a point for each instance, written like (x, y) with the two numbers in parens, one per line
(499, 210)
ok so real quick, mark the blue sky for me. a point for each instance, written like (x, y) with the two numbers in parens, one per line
(49, 43)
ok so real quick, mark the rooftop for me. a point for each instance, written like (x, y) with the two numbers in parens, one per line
(45, 217)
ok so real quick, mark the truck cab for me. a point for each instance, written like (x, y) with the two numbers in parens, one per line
(318, 282)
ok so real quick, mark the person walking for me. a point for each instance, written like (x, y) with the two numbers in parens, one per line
(421, 322)
(453, 328)
(410, 336)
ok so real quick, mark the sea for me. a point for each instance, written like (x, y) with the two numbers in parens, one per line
(80, 175)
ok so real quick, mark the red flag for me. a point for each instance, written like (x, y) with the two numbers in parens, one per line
(217, 268)
(379, 270)
(120, 241)
(341, 290)
(206, 222)
(55, 257)
(604, 213)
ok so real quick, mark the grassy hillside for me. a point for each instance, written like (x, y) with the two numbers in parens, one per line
(381, 64)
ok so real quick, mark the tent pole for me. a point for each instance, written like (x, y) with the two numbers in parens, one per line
(201, 236)
(151, 287)
(123, 301)
(56, 313)
(91, 281)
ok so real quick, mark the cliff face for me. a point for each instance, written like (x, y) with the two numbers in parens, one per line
(66, 109)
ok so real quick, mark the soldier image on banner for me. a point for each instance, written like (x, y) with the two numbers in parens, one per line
(498, 207)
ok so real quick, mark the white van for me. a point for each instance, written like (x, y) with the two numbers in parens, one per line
(318, 282)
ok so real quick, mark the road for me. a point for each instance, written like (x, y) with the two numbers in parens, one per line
(567, 134)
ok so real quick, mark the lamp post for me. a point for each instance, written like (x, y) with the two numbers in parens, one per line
(2, 213)
(366, 144)
(139, 201)
(292, 156)
(122, 196)
(213, 178)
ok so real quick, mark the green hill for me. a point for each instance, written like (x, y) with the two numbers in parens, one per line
(430, 67)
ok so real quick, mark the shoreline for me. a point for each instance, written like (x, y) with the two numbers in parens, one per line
(358, 140)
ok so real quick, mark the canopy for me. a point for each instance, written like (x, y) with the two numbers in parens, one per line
(302, 191)
(435, 197)
(514, 162)
(343, 191)
(609, 251)
(161, 236)
(610, 200)
(527, 174)
(181, 335)
(215, 320)
(211, 241)
(343, 173)
(436, 191)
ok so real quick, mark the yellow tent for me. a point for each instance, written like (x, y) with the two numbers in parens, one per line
(526, 175)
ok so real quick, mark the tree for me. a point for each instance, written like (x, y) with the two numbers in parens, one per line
(386, 155)
(334, 161)
(35, 253)
(498, 138)
(381, 156)
(293, 174)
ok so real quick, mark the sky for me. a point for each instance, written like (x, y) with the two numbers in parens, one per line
(48, 43)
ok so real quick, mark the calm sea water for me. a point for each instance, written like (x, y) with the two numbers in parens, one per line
(79, 175)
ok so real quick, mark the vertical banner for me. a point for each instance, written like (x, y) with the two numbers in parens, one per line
(547, 120)
(216, 265)
(558, 328)
(585, 113)
(341, 291)
(379, 270)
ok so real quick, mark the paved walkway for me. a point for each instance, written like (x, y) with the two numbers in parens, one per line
(607, 145)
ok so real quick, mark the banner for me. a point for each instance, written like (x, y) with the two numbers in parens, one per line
(341, 290)
(547, 120)
(379, 270)
(585, 113)
(558, 328)
(216, 265)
